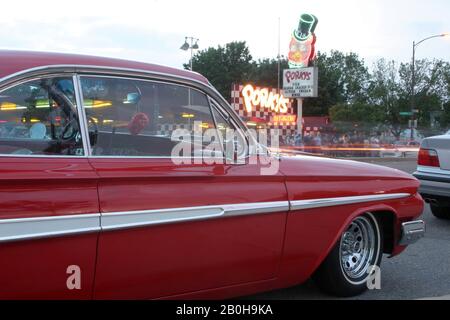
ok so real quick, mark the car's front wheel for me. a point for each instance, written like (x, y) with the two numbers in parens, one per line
(346, 270)
(440, 211)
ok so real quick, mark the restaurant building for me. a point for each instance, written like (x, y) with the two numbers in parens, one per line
(265, 108)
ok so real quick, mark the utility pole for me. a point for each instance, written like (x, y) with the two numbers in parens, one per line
(413, 79)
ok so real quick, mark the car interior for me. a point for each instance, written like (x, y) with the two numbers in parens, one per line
(40, 118)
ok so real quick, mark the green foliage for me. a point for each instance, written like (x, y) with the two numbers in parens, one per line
(431, 90)
(224, 66)
(265, 72)
(359, 116)
(348, 91)
(358, 112)
(445, 116)
(389, 91)
(386, 92)
(342, 79)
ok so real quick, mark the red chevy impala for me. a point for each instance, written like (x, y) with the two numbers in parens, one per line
(93, 204)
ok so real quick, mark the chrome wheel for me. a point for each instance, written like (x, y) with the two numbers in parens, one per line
(359, 248)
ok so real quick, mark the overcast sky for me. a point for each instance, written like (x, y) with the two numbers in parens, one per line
(153, 30)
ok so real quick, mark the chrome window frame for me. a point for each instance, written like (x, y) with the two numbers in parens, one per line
(215, 106)
(82, 116)
(90, 75)
(78, 71)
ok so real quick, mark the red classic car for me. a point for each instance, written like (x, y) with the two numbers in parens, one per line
(93, 205)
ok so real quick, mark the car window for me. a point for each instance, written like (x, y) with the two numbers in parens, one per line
(234, 143)
(39, 117)
(129, 117)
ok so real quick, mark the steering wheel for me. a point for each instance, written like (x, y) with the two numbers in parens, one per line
(69, 131)
(71, 125)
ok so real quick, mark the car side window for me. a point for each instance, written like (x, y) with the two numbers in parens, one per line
(40, 117)
(137, 118)
(234, 143)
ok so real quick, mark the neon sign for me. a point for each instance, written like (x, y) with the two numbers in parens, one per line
(284, 119)
(264, 98)
(304, 75)
(302, 51)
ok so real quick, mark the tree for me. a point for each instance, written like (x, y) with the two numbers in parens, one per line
(430, 88)
(347, 90)
(343, 78)
(224, 66)
(386, 92)
(265, 72)
(445, 117)
(330, 89)
(357, 113)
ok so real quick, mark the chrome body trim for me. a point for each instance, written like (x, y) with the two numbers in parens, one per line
(30, 228)
(42, 156)
(332, 202)
(44, 227)
(124, 220)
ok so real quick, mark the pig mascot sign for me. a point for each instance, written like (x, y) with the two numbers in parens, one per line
(302, 50)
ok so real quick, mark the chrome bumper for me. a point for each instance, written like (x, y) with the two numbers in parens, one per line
(412, 231)
(434, 184)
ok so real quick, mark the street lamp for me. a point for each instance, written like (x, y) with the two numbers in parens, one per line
(413, 77)
(193, 46)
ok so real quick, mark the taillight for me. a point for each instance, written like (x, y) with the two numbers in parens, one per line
(428, 158)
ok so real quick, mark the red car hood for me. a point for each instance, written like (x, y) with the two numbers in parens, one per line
(344, 172)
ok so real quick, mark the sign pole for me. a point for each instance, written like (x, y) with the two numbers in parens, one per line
(300, 118)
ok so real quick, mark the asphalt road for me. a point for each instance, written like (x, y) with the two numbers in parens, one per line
(421, 272)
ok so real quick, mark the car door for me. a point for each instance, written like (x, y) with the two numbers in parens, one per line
(49, 212)
(174, 223)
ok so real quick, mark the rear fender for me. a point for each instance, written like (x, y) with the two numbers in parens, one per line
(305, 250)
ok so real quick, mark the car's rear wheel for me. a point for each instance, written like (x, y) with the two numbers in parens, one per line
(346, 270)
(440, 211)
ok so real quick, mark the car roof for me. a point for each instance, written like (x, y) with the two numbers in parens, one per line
(12, 62)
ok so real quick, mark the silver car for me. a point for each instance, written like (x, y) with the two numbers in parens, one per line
(433, 172)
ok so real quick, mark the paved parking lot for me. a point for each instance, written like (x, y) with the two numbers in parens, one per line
(421, 272)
